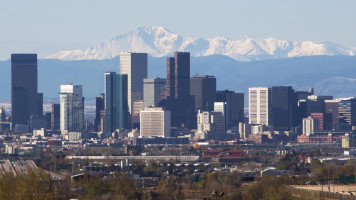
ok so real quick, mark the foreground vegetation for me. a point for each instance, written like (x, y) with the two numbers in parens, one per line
(38, 185)
(170, 182)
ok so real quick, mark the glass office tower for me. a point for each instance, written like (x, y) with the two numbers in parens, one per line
(25, 100)
(116, 104)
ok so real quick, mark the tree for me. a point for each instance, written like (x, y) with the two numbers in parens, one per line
(233, 179)
(33, 185)
(122, 186)
(169, 188)
(268, 188)
(95, 189)
(7, 186)
(211, 182)
(231, 185)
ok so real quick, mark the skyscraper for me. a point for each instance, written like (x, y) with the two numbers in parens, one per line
(259, 105)
(284, 107)
(347, 111)
(155, 122)
(179, 100)
(154, 90)
(48, 120)
(99, 106)
(203, 88)
(2, 114)
(316, 104)
(116, 105)
(324, 120)
(170, 81)
(182, 75)
(235, 106)
(309, 125)
(37, 122)
(135, 66)
(135, 116)
(222, 107)
(208, 121)
(71, 108)
(55, 117)
(25, 101)
(332, 107)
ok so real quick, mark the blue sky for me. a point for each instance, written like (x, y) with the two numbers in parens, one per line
(46, 27)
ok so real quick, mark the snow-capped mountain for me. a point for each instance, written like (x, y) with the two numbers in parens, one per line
(158, 41)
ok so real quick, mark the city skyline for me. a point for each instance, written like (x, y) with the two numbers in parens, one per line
(224, 99)
(297, 116)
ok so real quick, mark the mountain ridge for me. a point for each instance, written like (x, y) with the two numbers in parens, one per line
(159, 42)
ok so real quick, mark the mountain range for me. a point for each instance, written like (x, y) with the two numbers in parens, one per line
(160, 42)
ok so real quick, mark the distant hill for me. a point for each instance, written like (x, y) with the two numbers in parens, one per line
(332, 75)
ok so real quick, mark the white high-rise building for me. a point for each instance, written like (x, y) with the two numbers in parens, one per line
(260, 105)
(71, 108)
(309, 125)
(2, 114)
(155, 122)
(135, 66)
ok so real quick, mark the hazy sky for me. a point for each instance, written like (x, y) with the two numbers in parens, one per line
(46, 27)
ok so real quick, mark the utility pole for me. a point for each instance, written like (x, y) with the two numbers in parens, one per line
(328, 178)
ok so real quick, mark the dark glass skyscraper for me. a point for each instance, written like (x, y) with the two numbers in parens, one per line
(235, 106)
(284, 108)
(25, 101)
(347, 111)
(182, 75)
(179, 100)
(55, 117)
(99, 106)
(116, 104)
(203, 88)
(332, 107)
(170, 81)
